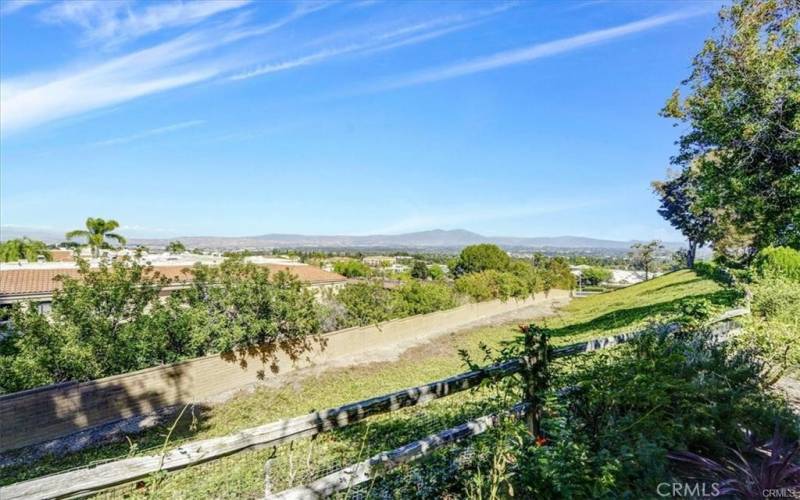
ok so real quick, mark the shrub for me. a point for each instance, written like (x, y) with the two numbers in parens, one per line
(419, 270)
(780, 261)
(111, 320)
(557, 274)
(364, 304)
(595, 275)
(773, 330)
(531, 277)
(352, 269)
(422, 298)
(491, 284)
(714, 271)
(237, 305)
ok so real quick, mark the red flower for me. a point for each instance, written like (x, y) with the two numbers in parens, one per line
(541, 440)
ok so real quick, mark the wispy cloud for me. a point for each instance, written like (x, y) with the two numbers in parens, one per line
(150, 133)
(36, 99)
(532, 52)
(116, 22)
(405, 35)
(11, 6)
(465, 215)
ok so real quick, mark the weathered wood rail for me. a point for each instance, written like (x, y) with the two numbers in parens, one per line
(383, 462)
(94, 479)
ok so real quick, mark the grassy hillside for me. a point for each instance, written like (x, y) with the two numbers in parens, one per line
(601, 315)
(594, 316)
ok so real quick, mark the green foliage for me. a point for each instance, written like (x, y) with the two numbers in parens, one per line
(742, 109)
(773, 330)
(238, 306)
(435, 272)
(419, 270)
(364, 304)
(557, 274)
(23, 248)
(483, 257)
(176, 247)
(97, 232)
(595, 275)
(422, 298)
(608, 435)
(491, 284)
(716, 272)
(111, 320)
(643, 256)
(98, 326)
(778, 261)
(352, 269)
(532, 278)
(680, 207)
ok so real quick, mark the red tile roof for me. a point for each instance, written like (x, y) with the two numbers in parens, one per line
(28, 281)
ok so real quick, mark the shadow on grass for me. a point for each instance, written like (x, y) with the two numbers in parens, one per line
(634, 315)
(653, 291)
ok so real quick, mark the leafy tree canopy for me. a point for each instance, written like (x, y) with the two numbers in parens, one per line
(741, 104)
(483, 257)
(23, 248)
(680, 207)
(352, 269)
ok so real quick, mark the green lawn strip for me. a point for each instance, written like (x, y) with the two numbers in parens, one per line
(594, 316)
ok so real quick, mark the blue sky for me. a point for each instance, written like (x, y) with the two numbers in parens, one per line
(241, 118)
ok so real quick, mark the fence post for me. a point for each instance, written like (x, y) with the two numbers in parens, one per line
(535, 374)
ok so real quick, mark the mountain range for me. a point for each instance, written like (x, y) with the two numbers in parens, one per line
(433, 239)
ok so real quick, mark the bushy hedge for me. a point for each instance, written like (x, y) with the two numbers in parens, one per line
(595, 275)
(491, 284)
(778, 261)
(352, 269)
(362, 304)
(112, 320)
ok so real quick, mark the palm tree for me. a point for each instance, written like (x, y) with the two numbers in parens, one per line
(96, 233)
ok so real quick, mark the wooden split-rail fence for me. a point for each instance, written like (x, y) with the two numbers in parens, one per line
(94, 479)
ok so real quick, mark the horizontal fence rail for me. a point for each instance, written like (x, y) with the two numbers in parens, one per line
(103, 476)
(388, 460)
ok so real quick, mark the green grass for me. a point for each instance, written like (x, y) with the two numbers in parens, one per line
(243, 474)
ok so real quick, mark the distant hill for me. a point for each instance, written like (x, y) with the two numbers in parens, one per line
(437, 238)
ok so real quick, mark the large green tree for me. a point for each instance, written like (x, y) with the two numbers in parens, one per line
(741, 104)
(483, 257)
(97, 232)
(23, 248)
(680, 207)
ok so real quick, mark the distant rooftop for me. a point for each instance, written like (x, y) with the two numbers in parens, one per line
(36, 280)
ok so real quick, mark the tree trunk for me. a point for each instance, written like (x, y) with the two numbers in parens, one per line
(690, 254)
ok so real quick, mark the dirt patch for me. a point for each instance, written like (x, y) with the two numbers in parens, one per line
(791, 387)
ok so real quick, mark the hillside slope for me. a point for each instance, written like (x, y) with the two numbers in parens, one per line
(242, 474)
